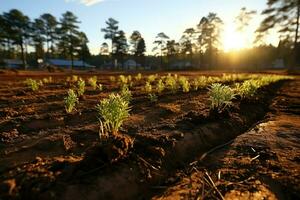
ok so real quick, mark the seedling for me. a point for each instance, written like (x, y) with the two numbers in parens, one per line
(112, 79)
(151, 78)
(74, 78)
(138, 77)
(184, 83)
(160, 86)
(33, 84)
(148, 87)
(113, 111)
(171, 83)
(247, 89)
(152, 97)
(93, 82)
(220, 96)
(70, 101)
(100, 87)
(126, 93)
(80, 87)
(47, 80)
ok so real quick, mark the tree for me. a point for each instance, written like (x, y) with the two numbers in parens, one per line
(50, 31)
(209, 30)
(69, 34)
(243, 19)
(120, 47)
(187, 42)
(38, 38)
(17, 28)
(283, 15)
(161, 40)
(111, 31)
(83, 49)
(138, 46)
(4, 37)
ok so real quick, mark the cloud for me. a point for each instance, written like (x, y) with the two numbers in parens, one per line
(86, 2)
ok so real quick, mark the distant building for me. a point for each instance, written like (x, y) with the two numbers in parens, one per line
(131, 65)
(13, 63)
(127, 65)
(68, 63)
(278, 64)
(181, 65)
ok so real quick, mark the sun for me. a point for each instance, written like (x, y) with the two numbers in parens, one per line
(233, 40)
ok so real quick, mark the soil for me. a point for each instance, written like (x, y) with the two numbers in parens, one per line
(46, 153)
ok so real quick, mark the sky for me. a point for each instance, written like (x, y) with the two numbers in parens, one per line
(149, 17)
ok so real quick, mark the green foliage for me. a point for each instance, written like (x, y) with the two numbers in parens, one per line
(33, 84)
(138, 77)
(112, 79)
(247, 89)
(93, 82)
(160, 86)
(47, 80)
(100, 87)
(80, 87)
(220, 96)
(184, 83)
(152, 97)
(74, 78)
(126, 93)
(112, 112)
(70, 101)
(148, 87)
(151, 78)
(171, 82)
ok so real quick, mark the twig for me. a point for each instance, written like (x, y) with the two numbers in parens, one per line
(214, 149)
(254, 158)
(214, 185)
(147, 163)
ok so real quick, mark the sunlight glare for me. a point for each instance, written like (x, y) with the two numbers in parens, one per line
(232, 39)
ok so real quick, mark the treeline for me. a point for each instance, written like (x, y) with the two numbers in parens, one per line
(199, 47)
(48, 36)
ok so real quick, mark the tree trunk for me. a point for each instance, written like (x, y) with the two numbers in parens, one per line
(161, 58)
(295, 57)
(72, 56)
(23, 55)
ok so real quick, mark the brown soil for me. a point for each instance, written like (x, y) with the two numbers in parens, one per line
(262, 163)
(48, 154)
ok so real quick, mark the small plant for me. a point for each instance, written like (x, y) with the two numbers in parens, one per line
(100, 87)
(184, 83)
(70, 101)
(151, 78)
(47, 80)
(93, 82)
(138, 77)
(123, 79)
(80, 87)
(171, 83)
(126, 93)
(112, 112)
(33, 84)
(74, 78)
(148, 87)
(152, 97)
(160, 86)
(112, 79)
(247, 89)
(220, 96)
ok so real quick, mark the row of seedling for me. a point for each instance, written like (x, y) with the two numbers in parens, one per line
(221, 96)
(34, 85)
